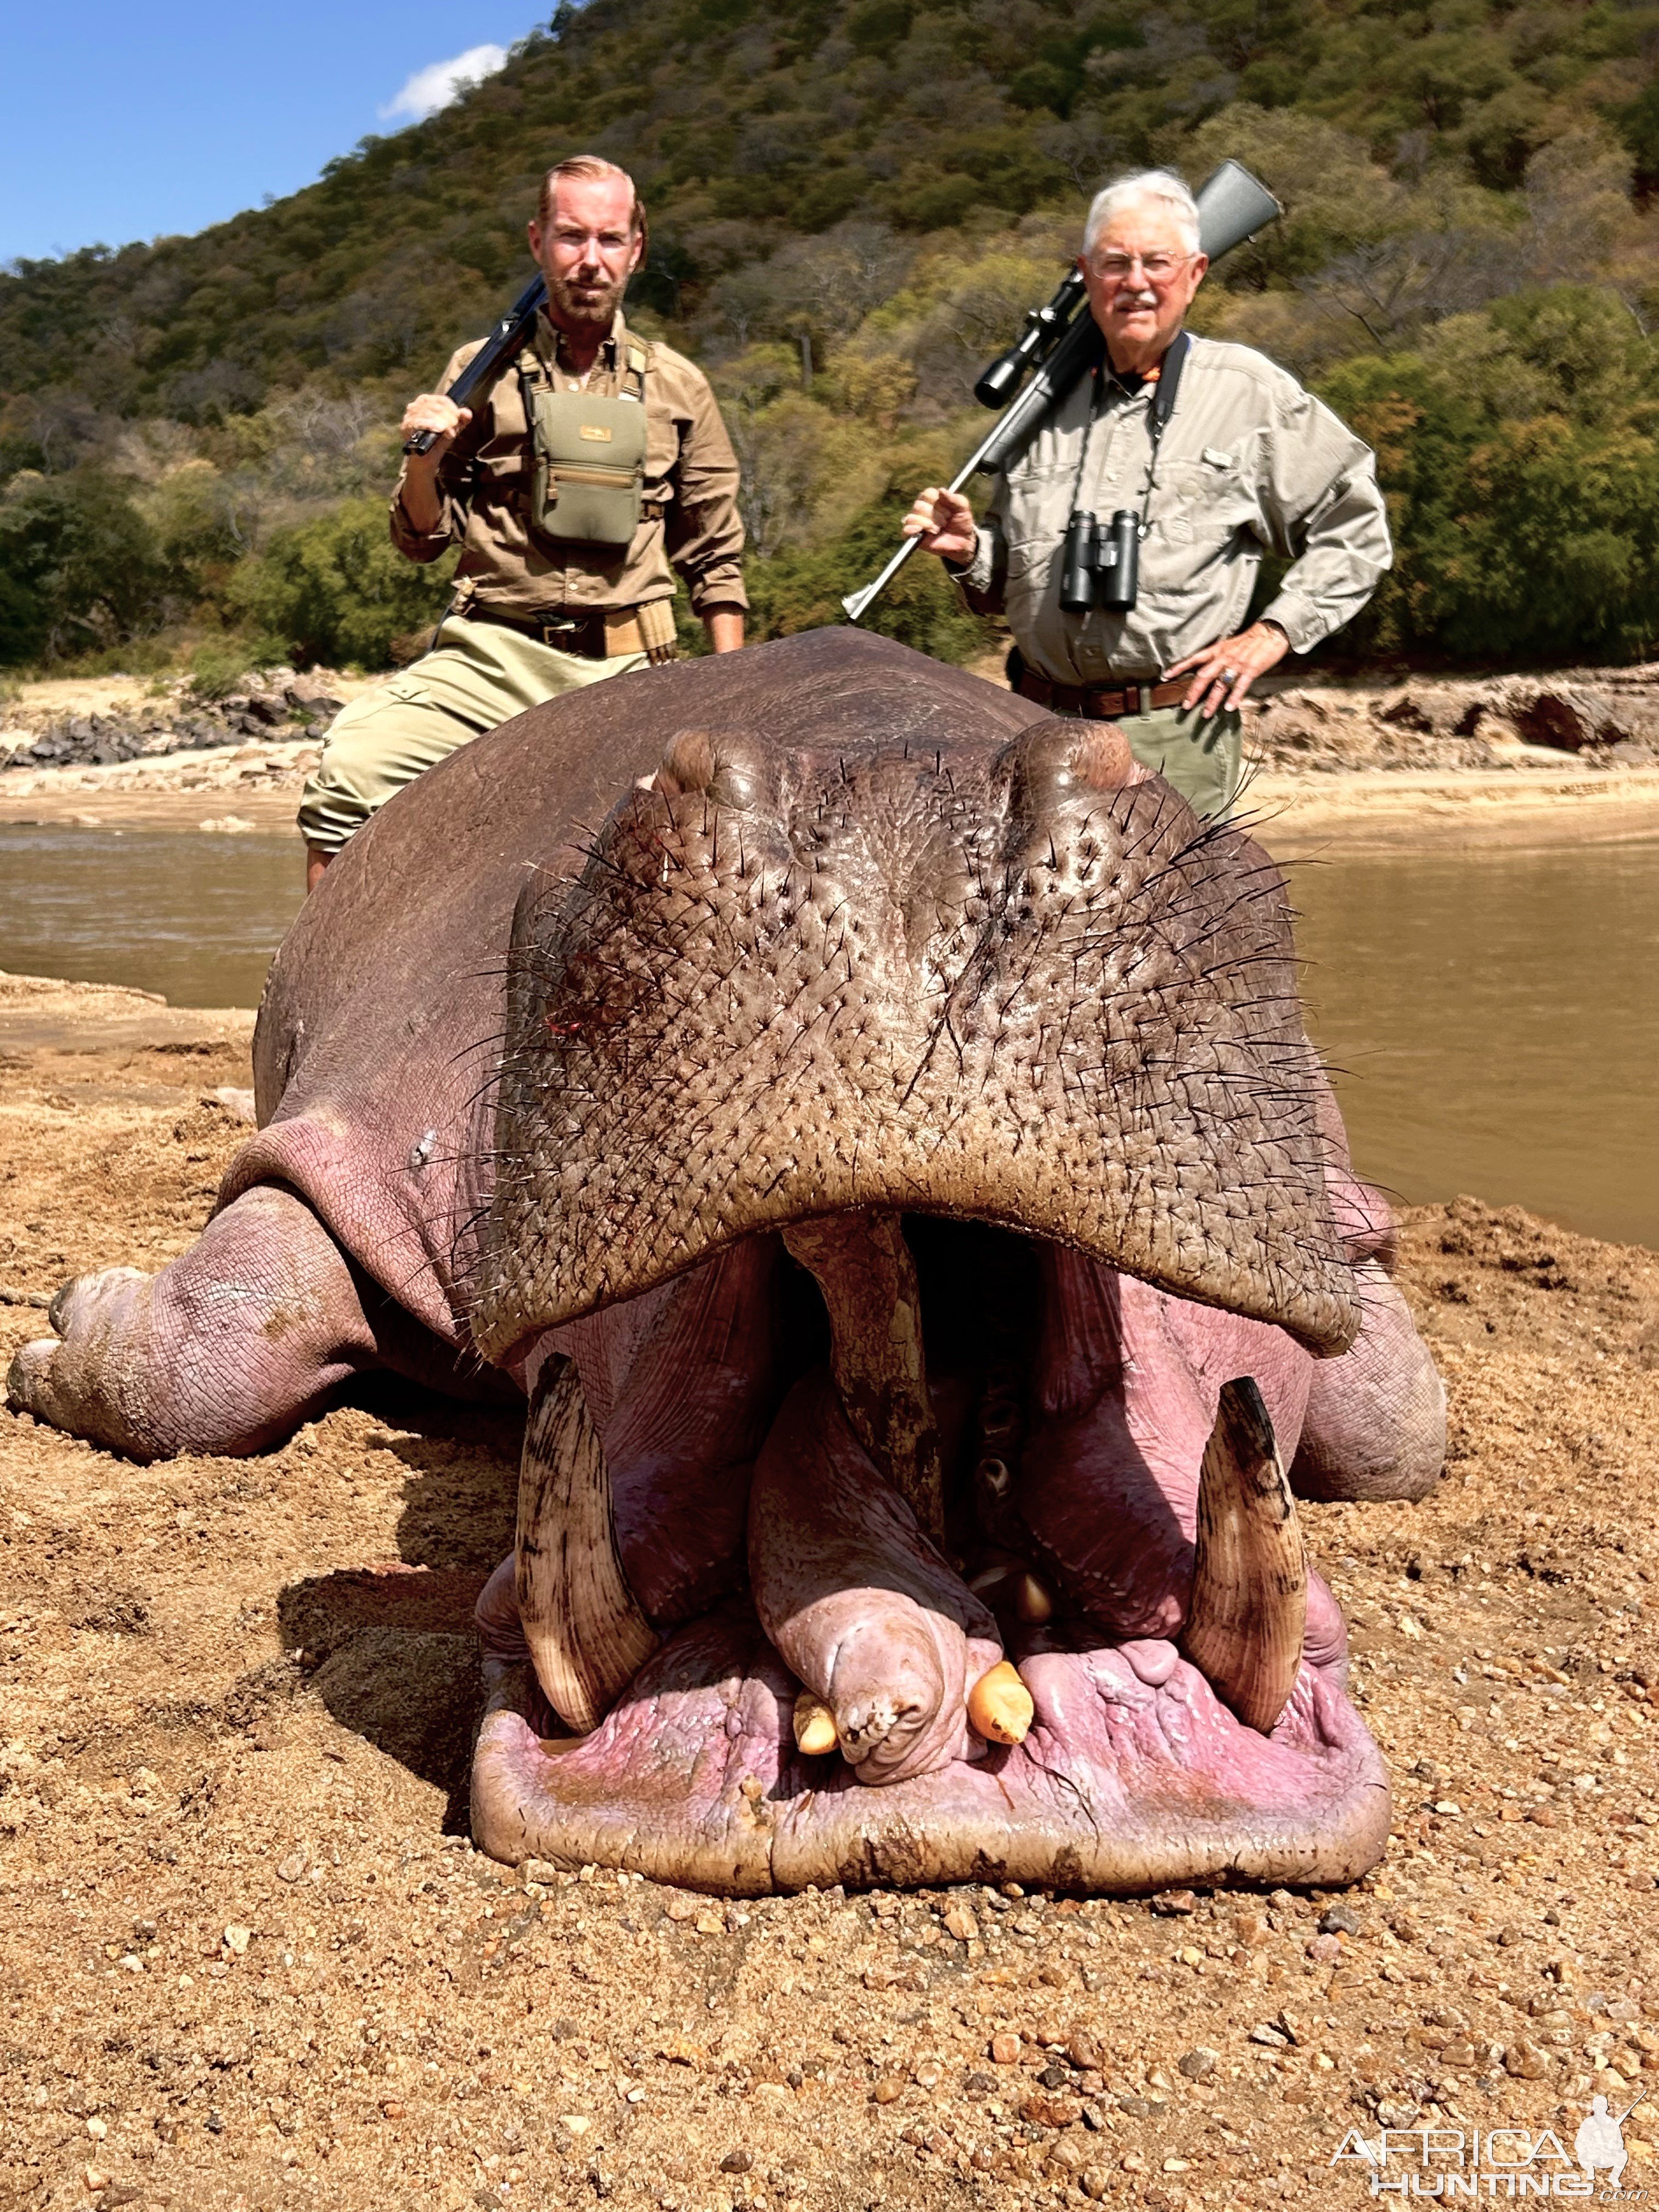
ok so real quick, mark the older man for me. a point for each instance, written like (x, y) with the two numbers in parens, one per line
(568, 548)
(1220, 455)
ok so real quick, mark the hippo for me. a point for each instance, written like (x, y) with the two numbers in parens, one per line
(872, 1127)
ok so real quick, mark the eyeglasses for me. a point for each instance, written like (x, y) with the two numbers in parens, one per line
(1156, 268)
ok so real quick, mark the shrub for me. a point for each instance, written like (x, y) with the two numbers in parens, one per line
(337, 590)
(78, 566)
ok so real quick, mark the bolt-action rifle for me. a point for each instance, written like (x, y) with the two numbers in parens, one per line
(481, 372)
(1060, 343)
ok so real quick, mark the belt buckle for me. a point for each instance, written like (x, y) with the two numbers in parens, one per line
(570, 627)
(1146, 691)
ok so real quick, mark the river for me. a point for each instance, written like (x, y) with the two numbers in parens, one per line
(1493, 1017)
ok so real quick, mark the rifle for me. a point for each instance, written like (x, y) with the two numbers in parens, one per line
(1061, 342)
(505, 340)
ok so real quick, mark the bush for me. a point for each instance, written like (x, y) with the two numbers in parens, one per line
(337, 590)
(218, 667)
(796, 590)
(78, 566)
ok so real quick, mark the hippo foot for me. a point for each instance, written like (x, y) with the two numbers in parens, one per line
(1133, 1777)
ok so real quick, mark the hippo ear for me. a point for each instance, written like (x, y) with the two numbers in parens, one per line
(725, 764)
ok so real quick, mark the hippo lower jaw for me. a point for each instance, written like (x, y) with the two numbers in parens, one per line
(1076, 1451)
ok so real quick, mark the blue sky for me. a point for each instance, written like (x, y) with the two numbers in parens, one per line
(134, 121)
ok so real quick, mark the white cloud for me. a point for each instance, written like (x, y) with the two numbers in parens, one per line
(439, 82)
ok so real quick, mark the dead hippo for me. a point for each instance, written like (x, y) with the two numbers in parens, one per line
(877, 1134)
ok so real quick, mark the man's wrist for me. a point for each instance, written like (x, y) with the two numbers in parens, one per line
(1272, 622)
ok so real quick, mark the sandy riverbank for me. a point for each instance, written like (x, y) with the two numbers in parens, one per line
(1362, 810)
(247, 1960)
(1366, 766)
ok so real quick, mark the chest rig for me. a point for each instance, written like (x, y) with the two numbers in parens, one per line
(589, 454)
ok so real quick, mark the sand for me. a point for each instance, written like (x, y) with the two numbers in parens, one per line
(247, 1958)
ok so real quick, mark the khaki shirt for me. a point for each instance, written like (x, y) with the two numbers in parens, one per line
(487, 477)
(1248, 460)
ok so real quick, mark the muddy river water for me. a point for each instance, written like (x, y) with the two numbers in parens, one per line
(1493, 1015)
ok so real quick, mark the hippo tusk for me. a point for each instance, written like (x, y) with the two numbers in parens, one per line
(865, 1269)
(814, 1726)
(1249, 1601)
(1000, 1706)
(588, 1637)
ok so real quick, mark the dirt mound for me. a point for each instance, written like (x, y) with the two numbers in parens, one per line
(248, 1959)
(1605, 718)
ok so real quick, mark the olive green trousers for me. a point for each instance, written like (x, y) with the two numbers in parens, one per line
(1204, 760)
(476, 676)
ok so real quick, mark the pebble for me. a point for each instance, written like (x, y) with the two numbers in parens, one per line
(737, 2161)
(887, 2089)
(237, 1940)
(1338, 1920)
(1526, 2061)
(1005, 2050)
(1265, 2033)
(1198, 2064)
(292, 1869)
(1325, 1950)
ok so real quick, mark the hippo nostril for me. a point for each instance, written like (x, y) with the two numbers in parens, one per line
(721, 763)
(1053, 761)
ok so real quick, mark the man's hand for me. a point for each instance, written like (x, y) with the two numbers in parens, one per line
(1223, 673)
(944, 523)
(432, 411)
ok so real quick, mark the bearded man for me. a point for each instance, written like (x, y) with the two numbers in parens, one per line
(595, 467)
(1207, 456)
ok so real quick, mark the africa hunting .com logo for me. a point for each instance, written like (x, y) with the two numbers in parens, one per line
(1454, 2164)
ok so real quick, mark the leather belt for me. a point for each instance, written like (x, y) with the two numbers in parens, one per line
(1095, 700)
(591, 633)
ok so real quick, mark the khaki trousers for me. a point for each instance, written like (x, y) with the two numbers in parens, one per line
(477, 676)
(1203, 760)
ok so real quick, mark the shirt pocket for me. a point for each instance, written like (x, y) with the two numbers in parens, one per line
(1205, 501)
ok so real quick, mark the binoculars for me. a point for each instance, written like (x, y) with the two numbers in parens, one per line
(1102, 564)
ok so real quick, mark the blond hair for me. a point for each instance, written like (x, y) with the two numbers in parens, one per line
(591, 168)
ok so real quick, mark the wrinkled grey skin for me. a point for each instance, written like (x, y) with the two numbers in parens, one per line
(872, 937)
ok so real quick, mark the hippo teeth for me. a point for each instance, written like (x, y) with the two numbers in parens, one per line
(588, 1637)
(865, 1269)
(1248, 1609)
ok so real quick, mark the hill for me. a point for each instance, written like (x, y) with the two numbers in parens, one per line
(851, 202)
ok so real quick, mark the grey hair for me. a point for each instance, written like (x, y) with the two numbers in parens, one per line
(1162, 186)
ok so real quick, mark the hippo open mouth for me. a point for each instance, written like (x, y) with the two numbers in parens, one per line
(927, 1240)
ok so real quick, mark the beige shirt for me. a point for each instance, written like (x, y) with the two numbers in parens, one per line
(487, 477)
(1249, 461)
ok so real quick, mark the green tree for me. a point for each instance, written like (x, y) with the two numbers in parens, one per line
(78, 566)
(337, 590)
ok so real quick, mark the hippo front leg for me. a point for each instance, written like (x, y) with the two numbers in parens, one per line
(226, 1350)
